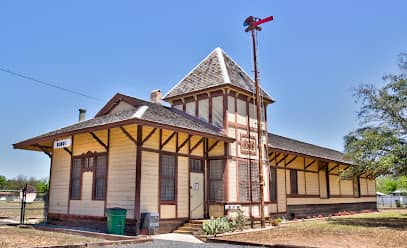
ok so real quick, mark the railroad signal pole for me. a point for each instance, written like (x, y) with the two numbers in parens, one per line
(252, 24)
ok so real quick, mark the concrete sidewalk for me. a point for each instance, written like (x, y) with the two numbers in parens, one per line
(171, 240)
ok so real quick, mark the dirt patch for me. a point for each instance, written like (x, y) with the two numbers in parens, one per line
(28, 237)
(384, 229)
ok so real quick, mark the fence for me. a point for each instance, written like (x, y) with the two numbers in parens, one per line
(389, 201)
(16, 207)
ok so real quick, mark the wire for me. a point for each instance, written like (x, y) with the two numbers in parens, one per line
(48, 84)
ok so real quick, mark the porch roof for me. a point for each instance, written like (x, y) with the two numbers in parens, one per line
(291, 145)
(145, 113)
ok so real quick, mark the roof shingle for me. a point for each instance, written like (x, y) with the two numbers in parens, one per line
(216, 69)
(145, 111)
(292, 145)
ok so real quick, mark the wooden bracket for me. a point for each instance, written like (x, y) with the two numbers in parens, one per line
(323, 166)
(68, 151)
(213, 146)
(44, 150)
(333, 168)
(289, 162)
(149, 136)
(168, 140)
(128, 135)
(279, 161)
(184, 143)
(196, 145)
(275, 156)
(311, 163)
(99, 140)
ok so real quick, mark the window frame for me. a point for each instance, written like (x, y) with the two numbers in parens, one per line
(196, 159)
(175, 181)
(251, 165)
(244, 179)
(222, 180)
(95, 159)
(85, 167)
(254, 184)
(80, 178)
(273, 184)
(293, 174)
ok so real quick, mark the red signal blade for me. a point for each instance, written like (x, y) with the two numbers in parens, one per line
(267, 19)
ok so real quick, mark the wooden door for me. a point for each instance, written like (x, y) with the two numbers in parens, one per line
(196, 190)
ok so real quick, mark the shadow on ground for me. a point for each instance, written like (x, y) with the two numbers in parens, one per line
(391, 222)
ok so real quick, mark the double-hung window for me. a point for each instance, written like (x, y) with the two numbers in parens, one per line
(167, 178)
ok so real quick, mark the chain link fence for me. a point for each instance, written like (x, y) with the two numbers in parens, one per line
(389, 201)
(25, 206)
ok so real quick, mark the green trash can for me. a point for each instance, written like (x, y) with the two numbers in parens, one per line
(116, 220)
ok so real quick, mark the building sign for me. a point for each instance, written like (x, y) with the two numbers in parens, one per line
(58, 144)
(232, 207)
(248, 145)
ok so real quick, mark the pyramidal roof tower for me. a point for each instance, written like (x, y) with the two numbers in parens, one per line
(216, 69)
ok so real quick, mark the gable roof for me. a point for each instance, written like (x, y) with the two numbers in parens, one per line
(216, 69)
(291, 145)
(144, 113)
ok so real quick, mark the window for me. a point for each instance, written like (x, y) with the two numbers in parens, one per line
(255, 181)
(293, 182)
(190, 107)
(195, 165)
(217, 111)
(95, 163)
(76, 179)
(273, 184)
(203, 109)
(99, 177)
(356, 186)
(216, 169)
(244, 191)
(167, 178)
(245, 171)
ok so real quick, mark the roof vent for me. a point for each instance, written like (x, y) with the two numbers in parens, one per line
(155, 96)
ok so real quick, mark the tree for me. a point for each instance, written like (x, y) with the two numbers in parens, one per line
(386, 184)
(379, 147)
(42, 185)
(3, 182)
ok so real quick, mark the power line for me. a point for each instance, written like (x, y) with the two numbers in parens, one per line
(48, 84)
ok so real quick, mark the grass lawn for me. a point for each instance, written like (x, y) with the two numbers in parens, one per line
(27, 237)
(382, 229)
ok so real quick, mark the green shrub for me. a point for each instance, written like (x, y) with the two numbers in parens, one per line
(216, 226)
(240, 220)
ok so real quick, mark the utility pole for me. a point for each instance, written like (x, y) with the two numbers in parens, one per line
(253, 26)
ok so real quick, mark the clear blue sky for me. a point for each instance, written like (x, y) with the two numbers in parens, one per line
(311, 57)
